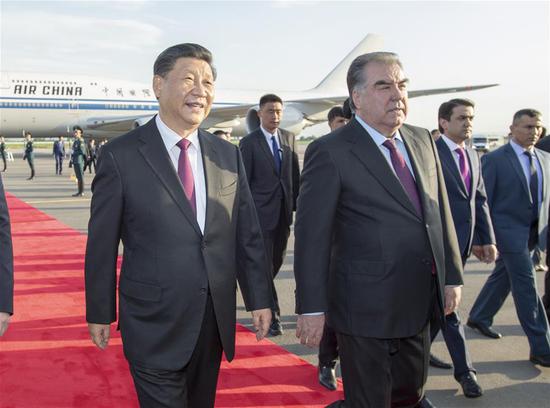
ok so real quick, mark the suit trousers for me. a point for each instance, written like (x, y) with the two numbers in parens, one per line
(328, 347)
(79, 173)
(515, 272)
(275, 242)
(58, 164)
(384, 373)
(194, 386)
(455, 339)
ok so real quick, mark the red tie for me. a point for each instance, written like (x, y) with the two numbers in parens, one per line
(185, 173)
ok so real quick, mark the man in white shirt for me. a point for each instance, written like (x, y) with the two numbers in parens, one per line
(178, 199)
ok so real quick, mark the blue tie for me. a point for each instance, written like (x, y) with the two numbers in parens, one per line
(276, 155)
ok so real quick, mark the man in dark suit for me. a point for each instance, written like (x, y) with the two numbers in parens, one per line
(6, 264)
(544, 144)
(472, 221)
(376, 249)
(28, 155)
(59, 154)
(78, 159)
(517, 179)
(178, 199)
(3, 152)
(328, 347)
(273, 172)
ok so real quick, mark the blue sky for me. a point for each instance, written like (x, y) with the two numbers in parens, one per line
(288, 45)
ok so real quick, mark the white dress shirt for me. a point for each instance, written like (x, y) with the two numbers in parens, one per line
(170, 139)
(524, 161)
(268, 137)
(452, 147)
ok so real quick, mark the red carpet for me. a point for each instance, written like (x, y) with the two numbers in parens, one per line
(47, 359)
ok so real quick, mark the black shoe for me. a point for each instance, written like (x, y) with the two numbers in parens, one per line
(327, 377)
(470, 386)
(78, 195)
(425, 403)
(275, 329)
(485, 330)
(541, 360)
(30, 178)
(436, 362)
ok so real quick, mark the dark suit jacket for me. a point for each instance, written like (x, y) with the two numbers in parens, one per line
(267, 187)
(6, 256)
(362, 253)
(169, 266)
(509, 198)
(544, 144)
(469, 208)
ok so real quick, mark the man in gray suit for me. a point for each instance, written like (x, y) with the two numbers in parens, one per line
(376, 250)
(6, 264)
(517, 179)
(178, 198)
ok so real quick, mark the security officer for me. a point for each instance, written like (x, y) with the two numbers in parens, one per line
(78, 159)
(29, 154)
(3, 151)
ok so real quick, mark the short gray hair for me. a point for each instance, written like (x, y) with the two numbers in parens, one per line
(356, 75)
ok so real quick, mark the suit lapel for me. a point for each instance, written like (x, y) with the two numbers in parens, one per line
(374, 161)
(447, 160)
(514, 161)
(211, 176)
(156, 156)
(416, 148)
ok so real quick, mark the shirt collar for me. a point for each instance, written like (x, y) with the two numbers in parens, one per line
(518, 149)
(378, 137)
(267, 134)
(171, 138)
(452, 145)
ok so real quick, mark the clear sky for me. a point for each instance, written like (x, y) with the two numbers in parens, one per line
(288, 45)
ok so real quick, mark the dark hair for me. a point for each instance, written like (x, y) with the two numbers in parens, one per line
(346, 109)
(434, 130)
(532, 113)
(446, 109)
(267, 98)
(335, 112)
(167, 59)
(356, 77)
(219, 132)
(543, 132)
(77, 128)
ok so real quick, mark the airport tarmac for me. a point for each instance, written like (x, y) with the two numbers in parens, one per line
(504, 371)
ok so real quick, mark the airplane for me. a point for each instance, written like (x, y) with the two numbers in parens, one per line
(49, 105)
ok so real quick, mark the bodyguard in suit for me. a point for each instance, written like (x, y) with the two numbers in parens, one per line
(78, 159)
(472, 221)
(517, 179)
(3, 152)
(179, 200)
(6, 264)
(328, 347)
(544, 144)
(376, 250)
(59, 154)
(29, 154)
(273, 172)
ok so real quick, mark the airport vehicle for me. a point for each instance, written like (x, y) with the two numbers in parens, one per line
(485, 143)
(49, 105)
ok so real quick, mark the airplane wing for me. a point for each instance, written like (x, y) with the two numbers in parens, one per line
(120, 124)
(425, 92)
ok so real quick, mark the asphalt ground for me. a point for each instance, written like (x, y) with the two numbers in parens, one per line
(504, 370)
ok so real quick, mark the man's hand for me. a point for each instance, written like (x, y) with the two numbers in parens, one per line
(4, 322)
(485, 253)
(100, 334)
(309, 329)
(261, 319)
(452, 298)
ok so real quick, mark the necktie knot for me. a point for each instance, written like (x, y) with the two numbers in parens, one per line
(528, 154)
(390, 144)
(183, 144)
(460, 151)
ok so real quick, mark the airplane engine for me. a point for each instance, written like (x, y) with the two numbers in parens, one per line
(293, 120)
